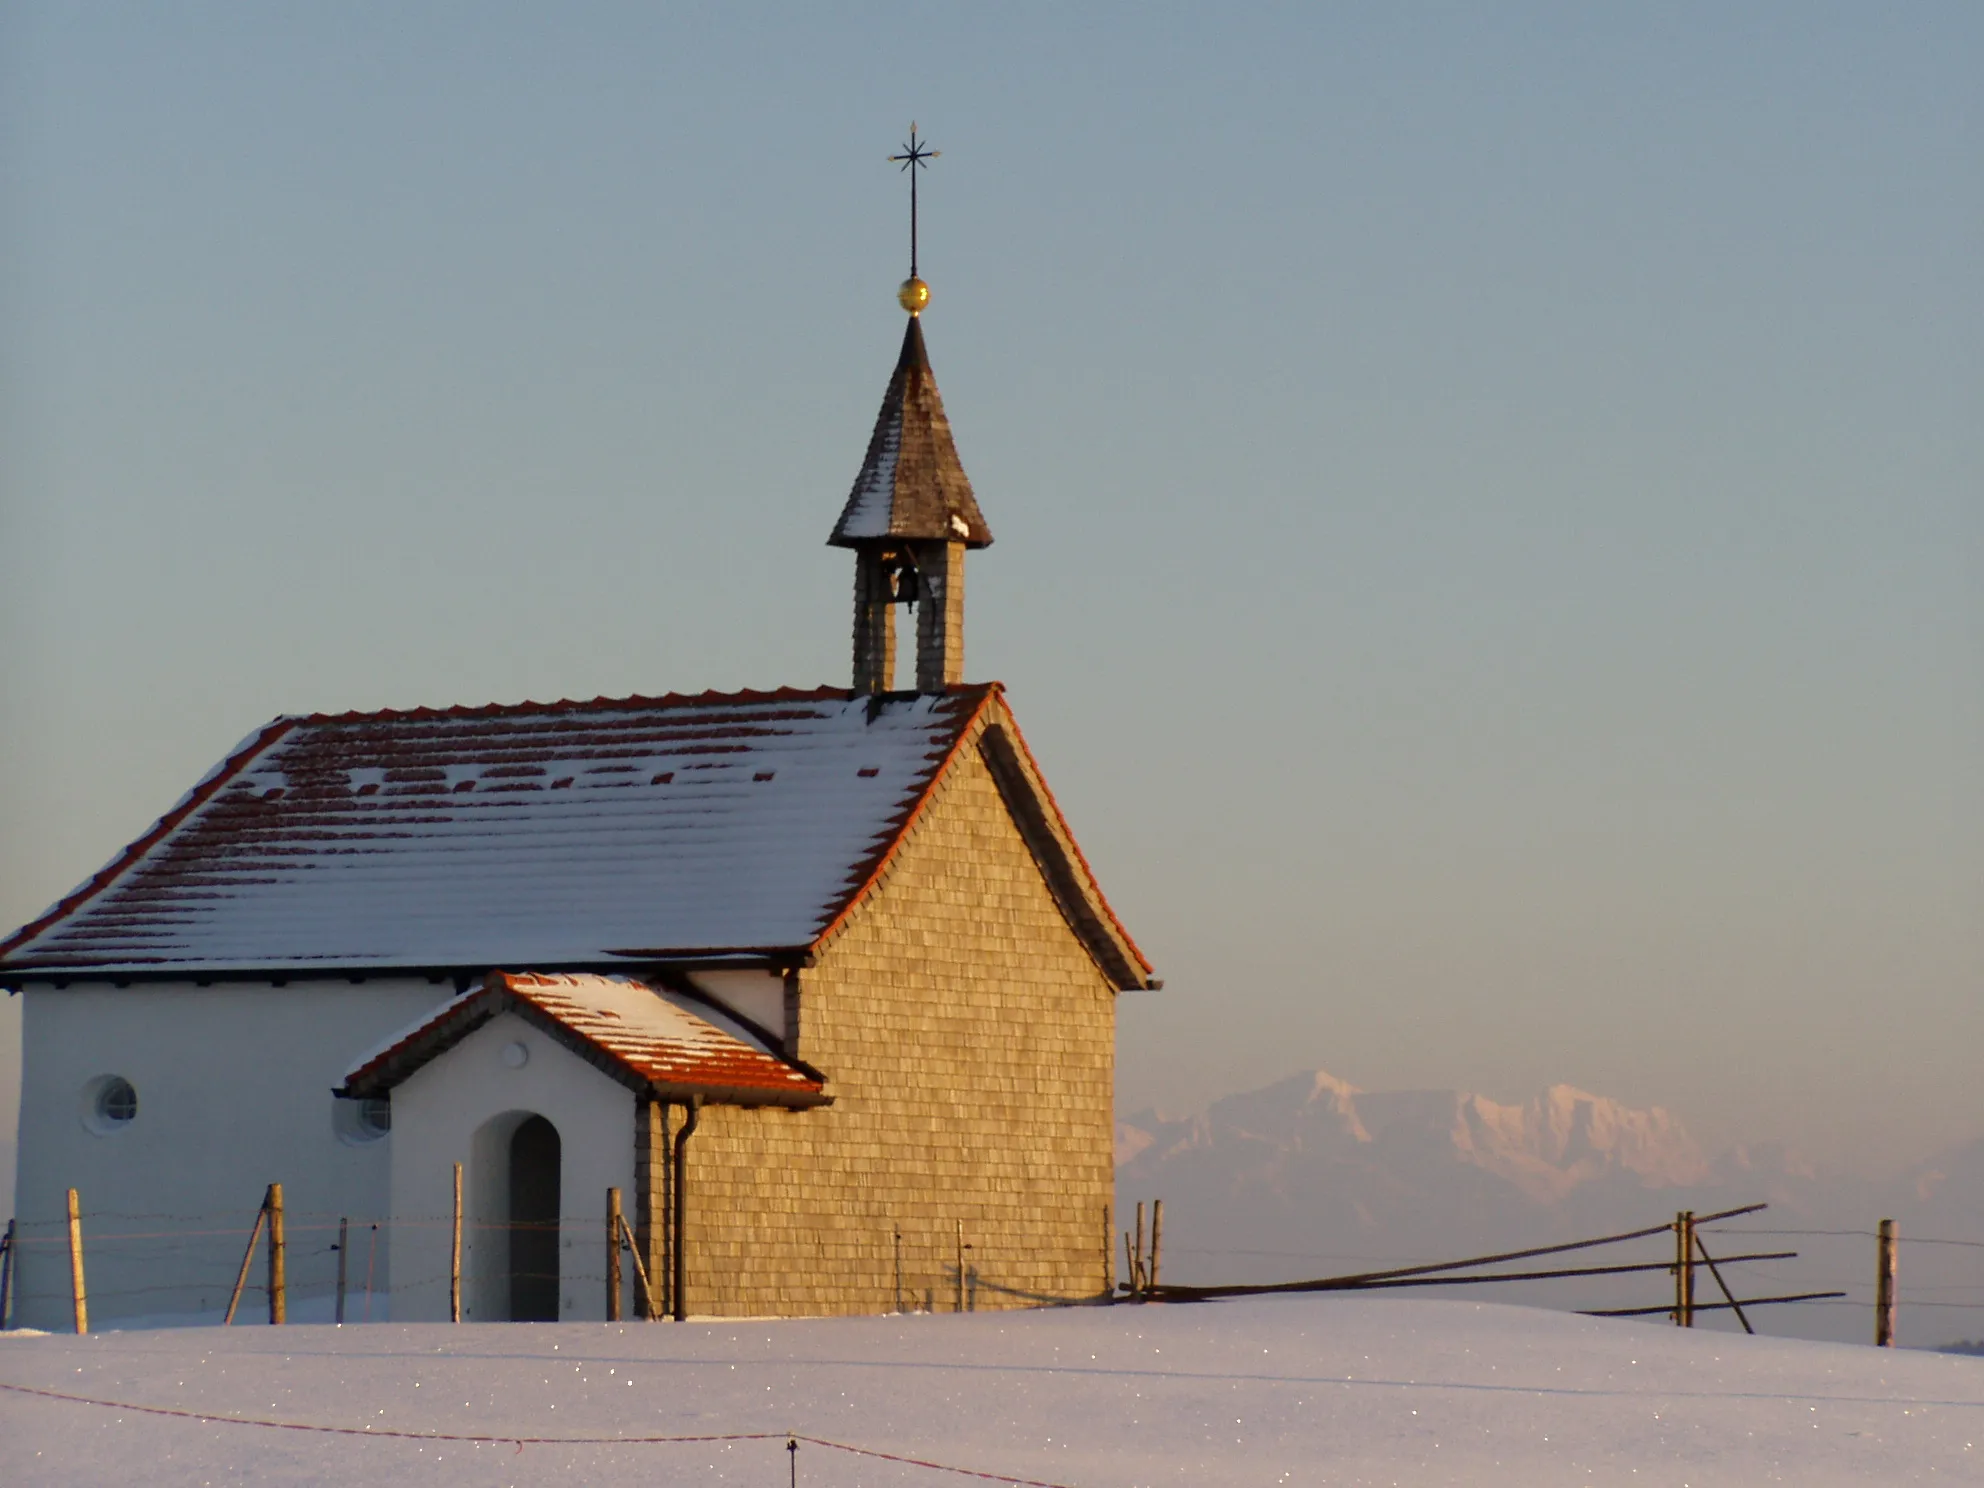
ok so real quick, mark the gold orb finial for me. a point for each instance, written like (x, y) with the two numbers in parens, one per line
(913, 295)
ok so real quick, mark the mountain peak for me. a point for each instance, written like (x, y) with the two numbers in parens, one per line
(1548, 1147)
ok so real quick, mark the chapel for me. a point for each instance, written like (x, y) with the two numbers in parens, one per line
(815, 982)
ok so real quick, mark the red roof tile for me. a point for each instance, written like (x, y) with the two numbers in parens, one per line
(652, 1040)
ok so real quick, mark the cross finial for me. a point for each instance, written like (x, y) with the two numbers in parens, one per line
(915, 156)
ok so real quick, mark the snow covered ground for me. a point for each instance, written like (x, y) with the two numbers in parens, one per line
(1337, 1390)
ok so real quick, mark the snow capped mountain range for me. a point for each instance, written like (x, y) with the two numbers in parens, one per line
(1313, 1177)
(1560, 1140)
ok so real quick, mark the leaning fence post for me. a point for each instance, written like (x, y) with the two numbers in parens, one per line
(613, 1255)
(640, 1269)
(1156, 1237)
(7, 1276)
(455, 1256)
(247, 1260)
(76, 1291)
(1884, 1279)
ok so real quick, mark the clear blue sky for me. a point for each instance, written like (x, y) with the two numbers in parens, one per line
(1488, 497)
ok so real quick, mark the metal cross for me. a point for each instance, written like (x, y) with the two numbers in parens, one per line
(914, 157)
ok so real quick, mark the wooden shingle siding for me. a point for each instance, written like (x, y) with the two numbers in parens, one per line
(969, 1038)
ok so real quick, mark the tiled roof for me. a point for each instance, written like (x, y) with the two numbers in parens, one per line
(649, 1039)
(543, 835)
(912, 485)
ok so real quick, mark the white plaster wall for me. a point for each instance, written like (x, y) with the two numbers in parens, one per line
(462, 1107)
(234, 1089)
(757, 995)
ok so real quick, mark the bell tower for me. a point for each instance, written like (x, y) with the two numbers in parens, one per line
(911, 514)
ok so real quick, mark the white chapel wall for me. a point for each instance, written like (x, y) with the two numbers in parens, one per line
(233, 1086)
(463, 1107)
(757, 995)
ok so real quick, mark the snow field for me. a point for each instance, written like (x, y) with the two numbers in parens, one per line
(1334, 1390)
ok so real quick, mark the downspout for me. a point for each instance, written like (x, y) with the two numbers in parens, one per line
(681, 1215)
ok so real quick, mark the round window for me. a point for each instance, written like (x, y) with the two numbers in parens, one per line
(360, 1121)
(375, 1115)
(110, 1103)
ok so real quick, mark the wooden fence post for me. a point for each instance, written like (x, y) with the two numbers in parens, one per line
(278, 1260)
(960, 1265)
(7, 1277)
(898, 1233)
(613, 1255)
(1156, 1237)
(344, 1244)
(77, 1294)
(1108, 1250)
(640, 1271)
(1680, 1269)
(1688, 1268)
(247, 1260)
(1884, 1279)
(455, 1255)
(1137, 1265)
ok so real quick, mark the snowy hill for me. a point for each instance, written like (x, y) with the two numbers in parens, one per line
(1341, 1391)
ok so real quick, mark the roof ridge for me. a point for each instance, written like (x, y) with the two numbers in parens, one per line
(629, 703)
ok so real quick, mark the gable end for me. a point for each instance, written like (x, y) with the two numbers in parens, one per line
(1053, 849)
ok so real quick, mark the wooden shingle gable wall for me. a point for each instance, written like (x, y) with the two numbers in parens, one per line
(970, 1035)
(993, 737)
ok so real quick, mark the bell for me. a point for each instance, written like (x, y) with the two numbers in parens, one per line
(906, 587)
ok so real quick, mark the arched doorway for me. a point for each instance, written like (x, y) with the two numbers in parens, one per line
(534, 1182)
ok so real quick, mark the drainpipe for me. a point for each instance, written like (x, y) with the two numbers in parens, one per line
(681, 1216)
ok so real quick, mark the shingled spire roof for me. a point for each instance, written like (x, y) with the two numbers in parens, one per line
(912, 485)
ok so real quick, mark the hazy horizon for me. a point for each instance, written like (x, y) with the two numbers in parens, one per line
(1487, 502)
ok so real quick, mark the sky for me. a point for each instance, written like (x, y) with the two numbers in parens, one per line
(1487, 498)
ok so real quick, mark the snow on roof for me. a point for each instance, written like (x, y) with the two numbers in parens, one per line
(659, 1040)
(541, 835)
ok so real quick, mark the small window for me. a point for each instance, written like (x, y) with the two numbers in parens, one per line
(362, 1121)
(110, 1103)
(117, 1102)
